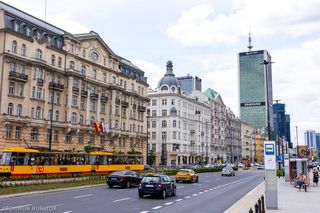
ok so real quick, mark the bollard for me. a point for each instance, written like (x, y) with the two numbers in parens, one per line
(256, 208)
(262, 204)
(250, 210)
(259, 205)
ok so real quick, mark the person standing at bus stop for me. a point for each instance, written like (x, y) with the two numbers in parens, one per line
(315, 176)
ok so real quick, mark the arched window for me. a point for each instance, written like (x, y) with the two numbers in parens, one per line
(34, 135)
(164, 123)
(74, 118)
(38, 54)
(134, 128)
(38, 112)
(14, 47)
(124, 126)
(71, 65)
(59, 62)
(164, 88)
(83, 70)
(53, 60)
(57, 116)
(116, 124)
(81, 120)
(114, 80)
(154, 124)
(49, 114)
(23, 49)
(19, 110)
(141, 128)
(8, 130)
(104, 77)
(94, 74)
(10, 108)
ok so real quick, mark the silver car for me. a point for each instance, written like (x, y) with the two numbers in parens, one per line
(228, 171)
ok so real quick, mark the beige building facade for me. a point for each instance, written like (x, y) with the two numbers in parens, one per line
(49, 75)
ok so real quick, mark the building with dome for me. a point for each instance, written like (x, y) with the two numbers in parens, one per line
(179, 124)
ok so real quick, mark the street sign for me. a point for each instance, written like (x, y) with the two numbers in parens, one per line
(269, 155)
(279, 158)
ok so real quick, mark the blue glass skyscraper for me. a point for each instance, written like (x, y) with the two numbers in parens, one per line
(281, 122)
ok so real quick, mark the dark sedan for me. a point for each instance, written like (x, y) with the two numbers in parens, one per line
(160, 185)
(124, 178)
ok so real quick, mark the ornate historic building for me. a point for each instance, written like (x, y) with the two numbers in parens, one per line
(179, 124)
(233, 137)
(53, 80)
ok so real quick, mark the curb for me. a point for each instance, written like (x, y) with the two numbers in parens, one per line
(48, 191)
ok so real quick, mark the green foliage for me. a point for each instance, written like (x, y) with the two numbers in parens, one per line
(280, 172)
(152, 157)
(88, 149)
(245, 168)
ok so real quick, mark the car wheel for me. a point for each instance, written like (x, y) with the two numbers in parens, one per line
(140, 194)
(128, 184)
(110, 185)
(174, 192)
(164, 194)
(197, 180)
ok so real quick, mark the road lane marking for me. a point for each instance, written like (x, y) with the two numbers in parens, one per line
(195, 195)
(179, 200)
(127, 198)
(15, 207)
(119, 190)
(187, 197)
(144, 212)
(80, 196)
(157, 207)
(169, 203)
(206, 190)
(68, 211)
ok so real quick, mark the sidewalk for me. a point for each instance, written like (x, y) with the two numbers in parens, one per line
(290, 200)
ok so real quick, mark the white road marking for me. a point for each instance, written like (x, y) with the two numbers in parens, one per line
(127, 198)
(211, 189)
(15, 207)
(178, 200)
(195, 195)
(144, 212)
(157, 207)
(80, 196)
(169, 203)
(187, 197)
(206, 190)
(119, 190)
(200, 192)
(68, 211)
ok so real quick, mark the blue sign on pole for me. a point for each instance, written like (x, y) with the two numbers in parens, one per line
(269, 149)
(279, 158)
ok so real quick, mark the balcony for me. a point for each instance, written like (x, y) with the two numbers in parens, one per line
(56, 86)
(94, 96)
(125, 104)
(134, 106)
(40, 82)
(103, 98)
(117, 101)
(142, 108)
(84, 93)
(75, 89)
(18, 76)
(192, 131)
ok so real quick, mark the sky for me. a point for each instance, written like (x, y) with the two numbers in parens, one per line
(202, 38)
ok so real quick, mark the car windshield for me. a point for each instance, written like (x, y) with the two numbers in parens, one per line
(119, 173)
(184, 171)
(150, 179)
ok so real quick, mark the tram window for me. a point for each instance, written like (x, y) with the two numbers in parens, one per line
(6, 158)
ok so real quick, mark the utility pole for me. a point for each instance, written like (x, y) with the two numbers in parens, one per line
(297, 149)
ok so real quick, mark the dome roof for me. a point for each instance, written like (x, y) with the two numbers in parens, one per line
(169, 78)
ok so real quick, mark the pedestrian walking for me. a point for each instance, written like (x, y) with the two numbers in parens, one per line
(315, 176)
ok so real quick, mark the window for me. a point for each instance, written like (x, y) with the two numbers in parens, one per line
(153, 135)
(18, 133)
(13, 67)
(154, 113)
(59, 62)
(32, 112)
(94, 74)
(103, 108)
(57, 116)
(81, 120)
(82, 103)
(49, 114)
(38, 112)
(8, 129)
(164, 123)
(74, 118)
(174, 135)
(10, 109)
(164, 112)
(74, 100)
(34, 135)
(173, 102)
(174, 123)
(83, 70)
(164, 102)
(39, 93)
(55, 135)
(23, 49)
(91, 121)
(163, 135)
(11, 88)
(114, 80)
(104, 77)
(154, 102)
(80, 138)
(68, 138)
(14, 47)
(19, 110)
(38, 54)
(94, 56)
(53, 60)
(71, 65)
(72, 48)
(92, 105)
(154, 124)
(91, 139)
(20, 90)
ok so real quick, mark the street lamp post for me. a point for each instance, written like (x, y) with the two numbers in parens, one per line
(51, 118)
(147, 155)
(265, 63)
(297, 149)
(207, 142)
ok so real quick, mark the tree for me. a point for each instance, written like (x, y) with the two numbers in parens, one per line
(152, 157)
(88, 149)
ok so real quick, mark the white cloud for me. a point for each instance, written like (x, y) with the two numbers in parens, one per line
(67, 22)
(287, 18)
(152, 71)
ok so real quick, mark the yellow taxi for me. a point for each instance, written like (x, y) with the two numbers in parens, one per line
(187, 175)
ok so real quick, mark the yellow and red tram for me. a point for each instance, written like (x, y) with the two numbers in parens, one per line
(18, 161)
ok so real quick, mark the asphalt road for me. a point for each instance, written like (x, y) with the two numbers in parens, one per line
(213, 193)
